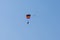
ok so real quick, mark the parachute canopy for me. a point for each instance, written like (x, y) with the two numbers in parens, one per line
(28, 16)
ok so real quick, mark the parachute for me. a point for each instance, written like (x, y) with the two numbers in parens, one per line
(28, 17)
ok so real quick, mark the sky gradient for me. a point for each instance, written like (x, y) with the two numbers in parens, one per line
(44, 22)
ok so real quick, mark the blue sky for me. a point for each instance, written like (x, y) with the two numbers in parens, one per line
(44, 22)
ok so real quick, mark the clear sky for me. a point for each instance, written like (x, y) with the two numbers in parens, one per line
(44, 22)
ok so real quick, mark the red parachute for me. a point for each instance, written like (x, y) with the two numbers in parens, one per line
(28, 17)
